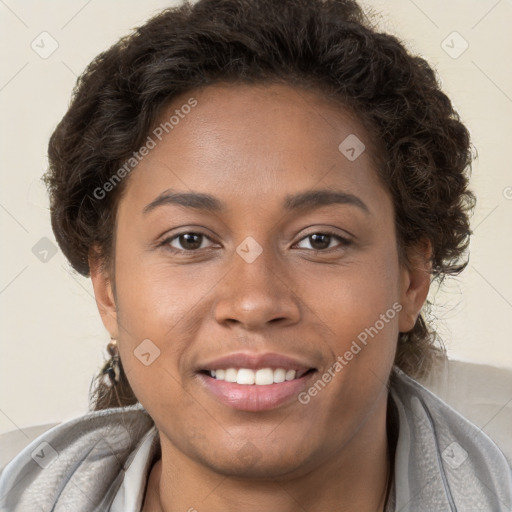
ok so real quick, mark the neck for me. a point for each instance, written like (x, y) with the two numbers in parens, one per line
(354, 479)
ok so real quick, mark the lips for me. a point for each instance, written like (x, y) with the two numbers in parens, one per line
(254, 382)
(257, 362)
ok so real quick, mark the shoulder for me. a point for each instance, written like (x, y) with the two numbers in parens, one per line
(443, 460)
(79, 461)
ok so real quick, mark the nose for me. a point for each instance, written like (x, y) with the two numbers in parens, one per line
(254, 295)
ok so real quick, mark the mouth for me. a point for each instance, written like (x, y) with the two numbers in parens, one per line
(259, 377)
(252, 382)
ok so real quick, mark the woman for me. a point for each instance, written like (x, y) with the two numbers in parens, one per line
(262, 193)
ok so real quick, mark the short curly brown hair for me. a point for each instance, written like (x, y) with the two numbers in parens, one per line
(329, 46)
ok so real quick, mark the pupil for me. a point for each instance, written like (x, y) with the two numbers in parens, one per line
(320, 238)
(187, 242)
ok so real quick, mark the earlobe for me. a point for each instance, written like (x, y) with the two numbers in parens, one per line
(415, 284)
(103, 293)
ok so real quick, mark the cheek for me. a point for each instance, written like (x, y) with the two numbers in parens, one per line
(163, 304)
(352, 297)
(155, 298)
(153, 305)
(359, 308)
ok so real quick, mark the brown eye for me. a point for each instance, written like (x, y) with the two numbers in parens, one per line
(190, 241)
(186, 241)
(321, 241)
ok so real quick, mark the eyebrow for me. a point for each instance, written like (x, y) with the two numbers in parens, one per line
(303, 201)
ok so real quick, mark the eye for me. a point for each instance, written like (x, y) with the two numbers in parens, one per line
(323, 240)
(188, 241)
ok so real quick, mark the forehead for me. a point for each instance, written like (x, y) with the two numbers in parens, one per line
(254, 143)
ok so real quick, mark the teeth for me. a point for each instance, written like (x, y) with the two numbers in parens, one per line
(279, 375)
(231, 375)
(245, 376)
(290, 375)
(262, 377)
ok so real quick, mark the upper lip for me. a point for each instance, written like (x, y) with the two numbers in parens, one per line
(255, 361)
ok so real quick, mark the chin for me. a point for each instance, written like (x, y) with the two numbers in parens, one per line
(251, 463)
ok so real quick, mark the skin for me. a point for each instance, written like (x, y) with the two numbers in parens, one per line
(250, 147)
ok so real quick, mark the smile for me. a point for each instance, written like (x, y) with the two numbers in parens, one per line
(251, 390)
(261, 377)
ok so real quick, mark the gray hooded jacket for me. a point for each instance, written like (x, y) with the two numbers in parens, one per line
(101, 461)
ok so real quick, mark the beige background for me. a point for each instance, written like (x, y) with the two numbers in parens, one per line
(52, 340)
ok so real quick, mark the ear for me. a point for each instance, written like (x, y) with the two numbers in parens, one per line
(414, 283)
(103, 291)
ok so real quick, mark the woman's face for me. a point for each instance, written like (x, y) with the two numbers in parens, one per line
(289, 263)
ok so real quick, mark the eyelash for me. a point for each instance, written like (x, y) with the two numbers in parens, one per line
(344, 242)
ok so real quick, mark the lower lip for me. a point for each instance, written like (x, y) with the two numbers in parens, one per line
(245, 397)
